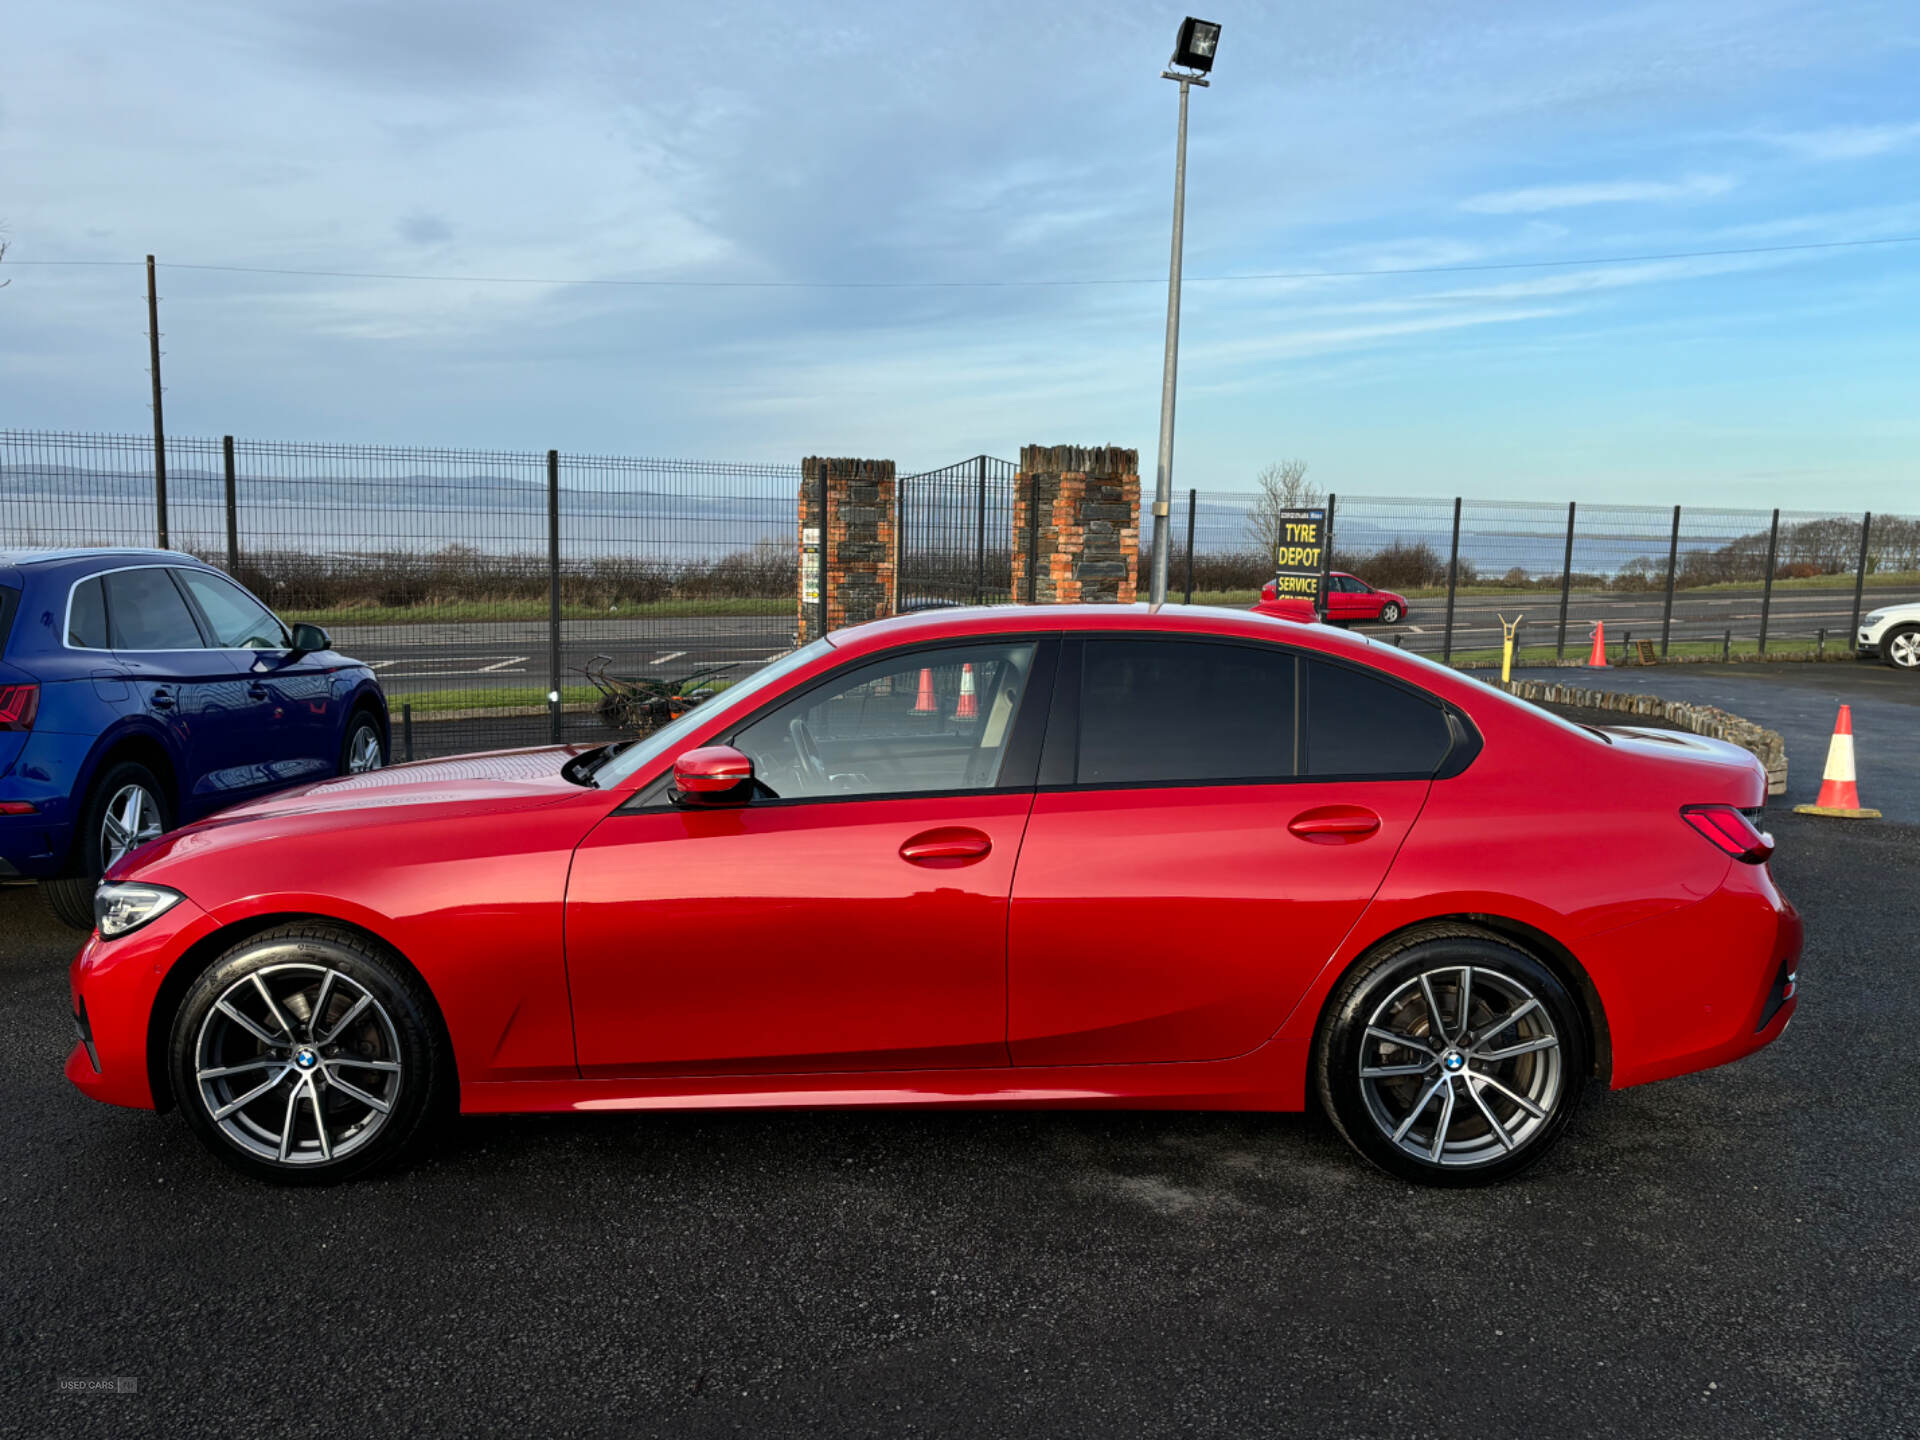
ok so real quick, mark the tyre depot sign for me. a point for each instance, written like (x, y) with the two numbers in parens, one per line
(1299, 559)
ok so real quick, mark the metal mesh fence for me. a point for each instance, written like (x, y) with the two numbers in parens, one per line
(473, 580)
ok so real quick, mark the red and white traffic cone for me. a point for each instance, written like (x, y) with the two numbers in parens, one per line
(969, 707)
(1839, 794)
(925, 704)
(1598, 660)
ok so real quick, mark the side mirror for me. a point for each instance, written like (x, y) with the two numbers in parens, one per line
(712, 775)
(307, 639)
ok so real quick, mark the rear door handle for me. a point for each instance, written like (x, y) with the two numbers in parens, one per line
(1334, 824)
(162, 700)
(955, 843)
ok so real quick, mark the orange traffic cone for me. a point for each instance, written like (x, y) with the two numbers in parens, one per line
(1839, 795)
(968, 708)
(926, 704)
(1598, 660)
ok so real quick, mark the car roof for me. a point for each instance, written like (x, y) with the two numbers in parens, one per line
(54, 555)
(1025, 619)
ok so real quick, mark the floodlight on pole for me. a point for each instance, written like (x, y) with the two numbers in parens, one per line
(1193, 53)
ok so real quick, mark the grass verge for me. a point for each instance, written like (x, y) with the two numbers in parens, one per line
(474, 611)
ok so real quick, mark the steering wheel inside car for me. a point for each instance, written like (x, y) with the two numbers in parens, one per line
(812, 769)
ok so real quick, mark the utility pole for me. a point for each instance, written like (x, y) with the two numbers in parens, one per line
(159, 422)
(1192, 59)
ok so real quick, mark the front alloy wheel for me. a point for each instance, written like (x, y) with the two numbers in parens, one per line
(306, 1054)
(1389, 613)
(362, 752)
(1453, 1060)
(1902, 649)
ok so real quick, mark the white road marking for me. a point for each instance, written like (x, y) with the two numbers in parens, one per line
(670, 655)
(516, 660)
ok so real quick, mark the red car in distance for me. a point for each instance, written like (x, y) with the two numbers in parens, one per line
(1057, 856)
(1349, 599)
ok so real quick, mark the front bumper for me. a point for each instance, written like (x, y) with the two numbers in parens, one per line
(114, 984)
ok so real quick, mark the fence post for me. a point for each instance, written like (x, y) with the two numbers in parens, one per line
(980, 539)
(1673, 560)
(1326, 552)
(1860, 577)
(553, 590)
(1193, 504)
(406, 731)
(1766, 595)
(233, 506)
(1566, 584)
(159, 425)
(821, 624)
(1453, 582)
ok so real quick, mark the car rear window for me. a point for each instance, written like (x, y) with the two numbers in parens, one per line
(147, 612)
(1361, 725)
(87, 615)
(1183, 711)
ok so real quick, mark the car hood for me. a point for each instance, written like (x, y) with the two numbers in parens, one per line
(499, 780)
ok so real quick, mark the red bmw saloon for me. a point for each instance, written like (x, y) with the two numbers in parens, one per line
(1061, 856)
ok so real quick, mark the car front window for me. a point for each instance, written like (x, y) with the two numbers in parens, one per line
(239, 621)
(641, 753)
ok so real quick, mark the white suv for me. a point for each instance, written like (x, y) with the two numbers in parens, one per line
(1893, 634)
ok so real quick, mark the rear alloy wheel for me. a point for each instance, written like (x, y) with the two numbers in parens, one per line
(1901, 649)
(126, 808)
(1389, 614)
(307, 1055)
(1454, 1060)
(362, 751)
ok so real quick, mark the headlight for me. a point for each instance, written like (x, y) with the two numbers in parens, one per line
(118, 909)
(1874, 618)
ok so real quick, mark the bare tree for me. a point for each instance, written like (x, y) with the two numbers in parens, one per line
(1283, 487)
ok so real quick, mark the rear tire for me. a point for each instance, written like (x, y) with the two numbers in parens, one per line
(1432, 1094)
(126, 807)
(1901, 648)
(308, 1055)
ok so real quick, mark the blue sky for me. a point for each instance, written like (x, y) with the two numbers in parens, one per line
(748, 140)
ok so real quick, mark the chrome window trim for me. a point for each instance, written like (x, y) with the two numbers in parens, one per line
(66, 627)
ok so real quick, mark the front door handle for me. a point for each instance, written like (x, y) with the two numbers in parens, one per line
(256, 691)
(952, 844)
(1335, 824)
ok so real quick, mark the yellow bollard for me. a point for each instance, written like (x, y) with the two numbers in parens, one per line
(1506, 647)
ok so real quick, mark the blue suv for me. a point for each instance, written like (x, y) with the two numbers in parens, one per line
(141, 689)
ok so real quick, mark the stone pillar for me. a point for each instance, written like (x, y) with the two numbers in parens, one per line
(1077, 512)
(848, 552)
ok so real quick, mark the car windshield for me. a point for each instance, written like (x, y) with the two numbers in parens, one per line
(736, 697)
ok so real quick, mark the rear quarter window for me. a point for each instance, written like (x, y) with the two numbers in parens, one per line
(9, 607)
(87, 615)
(1360, 724)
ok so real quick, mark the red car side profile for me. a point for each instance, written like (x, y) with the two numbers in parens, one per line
(1059, 856)
(1349, 598)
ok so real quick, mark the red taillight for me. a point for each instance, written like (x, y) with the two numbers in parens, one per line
(17, 807)
(1731, 831)
(18, 705)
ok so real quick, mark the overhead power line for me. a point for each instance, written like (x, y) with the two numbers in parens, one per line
(664, 284)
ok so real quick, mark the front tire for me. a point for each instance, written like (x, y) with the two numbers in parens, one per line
(1390, 614)
(308, 1055)
(126, 808)
(1451, 1058)
(363, 750)
(1901, 648)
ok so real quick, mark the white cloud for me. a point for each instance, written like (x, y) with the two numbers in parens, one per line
(1846, 142)
(1598, 192)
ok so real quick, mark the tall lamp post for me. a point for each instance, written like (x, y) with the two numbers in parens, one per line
(1192, 59)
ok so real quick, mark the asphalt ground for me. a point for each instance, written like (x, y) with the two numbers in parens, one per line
(1729, 1254)
(1801, 701)
(490, 654)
